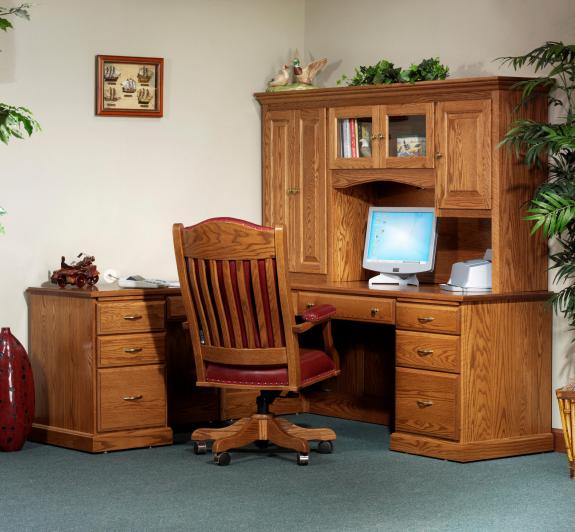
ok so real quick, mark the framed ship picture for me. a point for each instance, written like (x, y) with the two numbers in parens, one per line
(129, 86)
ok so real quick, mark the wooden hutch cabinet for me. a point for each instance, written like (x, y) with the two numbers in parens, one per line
(457, 376)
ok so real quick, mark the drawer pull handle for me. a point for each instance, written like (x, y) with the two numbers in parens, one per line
(374, 312)
(132, 349)
(424, 352)
(133, 397)
(424, 404)
(309, 305)
(132, 317)
(425, 319)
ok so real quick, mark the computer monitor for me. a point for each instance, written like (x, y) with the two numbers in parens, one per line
(399, 242)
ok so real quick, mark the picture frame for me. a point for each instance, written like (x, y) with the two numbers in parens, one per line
(129, 86)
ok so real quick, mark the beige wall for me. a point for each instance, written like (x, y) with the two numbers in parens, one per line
(112, 187)
(466, 34)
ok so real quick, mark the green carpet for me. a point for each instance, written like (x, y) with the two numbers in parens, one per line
(362, 486)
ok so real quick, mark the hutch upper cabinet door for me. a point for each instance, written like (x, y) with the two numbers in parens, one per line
(354, 135)
(307, 195)
(463, 158)
(407, 139)
(294, 191)
(278, 164)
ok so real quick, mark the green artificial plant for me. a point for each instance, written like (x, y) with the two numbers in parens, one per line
(552, 209)
(385, 72)
(14, 121)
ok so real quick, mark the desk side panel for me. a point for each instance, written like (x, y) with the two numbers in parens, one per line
(506, 370)
(62, 332)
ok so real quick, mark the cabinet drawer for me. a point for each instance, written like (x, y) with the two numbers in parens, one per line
(130, 349)
(427, 402)
(130, 316)
(423, 317)
(131, 398)
(351, 307)
(175, 306)
(427, 350)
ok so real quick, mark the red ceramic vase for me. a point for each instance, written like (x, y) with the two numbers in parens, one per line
(16, 393)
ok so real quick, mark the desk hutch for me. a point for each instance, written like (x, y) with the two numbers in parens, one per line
(462, 377)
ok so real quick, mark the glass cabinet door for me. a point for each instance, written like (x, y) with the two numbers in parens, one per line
(353, 137)
(408, 136)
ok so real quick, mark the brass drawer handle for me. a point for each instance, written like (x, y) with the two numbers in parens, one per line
(133, 397)
(438, 155)
(309, 305)
(132, 349)
(424, 404)
(132, 317)
(292, 191)
(374, 312)
(425, 319)
(424, 352)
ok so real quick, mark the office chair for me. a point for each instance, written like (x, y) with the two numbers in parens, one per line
(233, 277)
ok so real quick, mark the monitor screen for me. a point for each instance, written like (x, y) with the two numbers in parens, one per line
(400, 239)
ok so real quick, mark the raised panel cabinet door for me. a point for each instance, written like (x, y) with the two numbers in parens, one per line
(463, 154)
(278, 165)
(307, 195)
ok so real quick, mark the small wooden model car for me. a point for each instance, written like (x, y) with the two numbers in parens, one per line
(78, 273)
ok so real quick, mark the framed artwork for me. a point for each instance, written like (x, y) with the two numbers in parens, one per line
(129, 86)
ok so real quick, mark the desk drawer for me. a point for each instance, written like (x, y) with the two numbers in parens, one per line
(427, 350)
(426, 402)
(131, 349)
(424, 317)
(358, 308)
(131, 397)
(130, 316)
(175, 306)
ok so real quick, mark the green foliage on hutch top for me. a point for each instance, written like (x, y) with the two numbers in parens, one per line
(385, 72)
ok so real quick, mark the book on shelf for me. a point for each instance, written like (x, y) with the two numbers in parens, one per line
(354, 133)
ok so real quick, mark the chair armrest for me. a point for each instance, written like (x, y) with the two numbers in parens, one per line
(319, 313)
(314, 316)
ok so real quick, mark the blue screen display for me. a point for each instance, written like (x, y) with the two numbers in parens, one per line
(400, 236)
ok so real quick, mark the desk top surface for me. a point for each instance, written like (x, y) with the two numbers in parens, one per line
(430, 291)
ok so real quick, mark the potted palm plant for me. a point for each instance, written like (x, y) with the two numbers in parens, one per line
(552, 209)
(14, 121)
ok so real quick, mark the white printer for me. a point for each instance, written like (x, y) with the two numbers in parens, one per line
(470, 275)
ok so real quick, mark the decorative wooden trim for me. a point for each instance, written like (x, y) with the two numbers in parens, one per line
(420, 91)
(558, 441)
(419, 177)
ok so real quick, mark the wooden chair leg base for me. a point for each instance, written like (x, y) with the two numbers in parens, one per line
(264, 427)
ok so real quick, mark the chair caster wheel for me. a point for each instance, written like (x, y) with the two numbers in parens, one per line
(302, 459)
(262, 444)
(200, 447)
(222, 459)
(325, 447)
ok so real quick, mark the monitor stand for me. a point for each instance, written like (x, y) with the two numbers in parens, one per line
(393, 278)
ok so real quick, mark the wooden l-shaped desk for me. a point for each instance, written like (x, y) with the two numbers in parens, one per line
(456, 377)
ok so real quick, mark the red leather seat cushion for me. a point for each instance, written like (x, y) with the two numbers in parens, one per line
(313, 364)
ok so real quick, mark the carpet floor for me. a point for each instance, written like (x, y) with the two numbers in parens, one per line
(361, 486)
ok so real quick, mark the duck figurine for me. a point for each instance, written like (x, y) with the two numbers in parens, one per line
(281, 78)
(306, 74)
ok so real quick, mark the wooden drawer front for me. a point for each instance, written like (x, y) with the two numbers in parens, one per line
(129, 349)
(131, 398)
(427, 402)
(351, 307)
(423, 317)
(130, 316)
(427, 350)
(175, 306)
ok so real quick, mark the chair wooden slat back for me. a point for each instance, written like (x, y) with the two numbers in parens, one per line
(235, 290)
